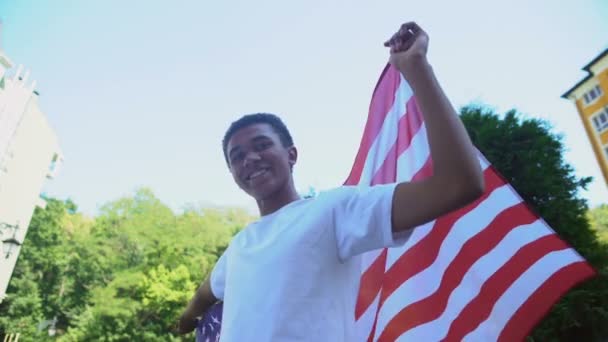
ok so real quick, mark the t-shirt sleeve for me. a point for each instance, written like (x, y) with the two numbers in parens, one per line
(362, 220)
(218, 277)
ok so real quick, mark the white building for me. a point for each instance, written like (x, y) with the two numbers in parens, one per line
(29, 154)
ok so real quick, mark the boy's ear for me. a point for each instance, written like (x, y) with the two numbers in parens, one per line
(293, 156)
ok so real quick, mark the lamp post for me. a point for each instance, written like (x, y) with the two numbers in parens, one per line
(8, 245)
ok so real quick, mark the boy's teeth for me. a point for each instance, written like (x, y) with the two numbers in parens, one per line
(257, 173)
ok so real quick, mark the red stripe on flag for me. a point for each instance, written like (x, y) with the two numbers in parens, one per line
(403, 269)
(425, 171)
(430, 308)
(371, 282)
(479, 309)
(376, 280)
(381, 103)
(541, 301)
(372, 332)
(409, 124)
(388, 171)
(426, 250)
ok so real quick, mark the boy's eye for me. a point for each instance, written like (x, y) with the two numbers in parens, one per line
(262, 145)
(237, 157)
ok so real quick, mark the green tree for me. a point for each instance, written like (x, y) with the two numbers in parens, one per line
(139, 265)
(22, 311)
(530, 156)
(111, 314)
(36, 290)
(164, 294)
(124, 275)
(598, 218)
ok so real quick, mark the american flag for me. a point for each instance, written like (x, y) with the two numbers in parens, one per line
(487, 272)
(208, 327)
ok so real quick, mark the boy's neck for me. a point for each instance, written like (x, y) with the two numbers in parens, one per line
(278, 201)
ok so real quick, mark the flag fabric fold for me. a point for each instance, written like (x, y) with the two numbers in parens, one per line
(488, 271)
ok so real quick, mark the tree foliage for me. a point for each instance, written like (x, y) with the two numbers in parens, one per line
(530, 157)
(598, 218)
(124, 275)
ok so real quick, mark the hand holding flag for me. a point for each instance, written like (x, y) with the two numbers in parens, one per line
(408, 47)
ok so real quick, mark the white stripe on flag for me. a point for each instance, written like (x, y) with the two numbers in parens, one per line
(519, 292)
(364, 324)
(476, 276)
(418, 234)
(368, 258)
(425, 283)
(387, 136)
(483, 161)
(414, 157)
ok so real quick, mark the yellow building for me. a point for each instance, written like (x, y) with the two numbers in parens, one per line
(591, 98)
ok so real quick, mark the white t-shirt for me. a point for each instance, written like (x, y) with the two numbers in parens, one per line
(293, 275)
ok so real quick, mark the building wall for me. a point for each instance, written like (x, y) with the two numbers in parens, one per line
(592, 135)
(599, 140)
(14, 96)
(25, 166)
(604, 139)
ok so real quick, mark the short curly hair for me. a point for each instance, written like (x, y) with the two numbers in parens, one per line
(251, 119)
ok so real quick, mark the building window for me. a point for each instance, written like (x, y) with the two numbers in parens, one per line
(54, 166)
(592, 94)
(600, 120)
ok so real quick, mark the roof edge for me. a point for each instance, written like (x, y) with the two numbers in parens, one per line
(586, 68)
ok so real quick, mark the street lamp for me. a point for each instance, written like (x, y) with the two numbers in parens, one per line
(8, 245)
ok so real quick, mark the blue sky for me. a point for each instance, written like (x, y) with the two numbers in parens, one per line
(141, 92)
